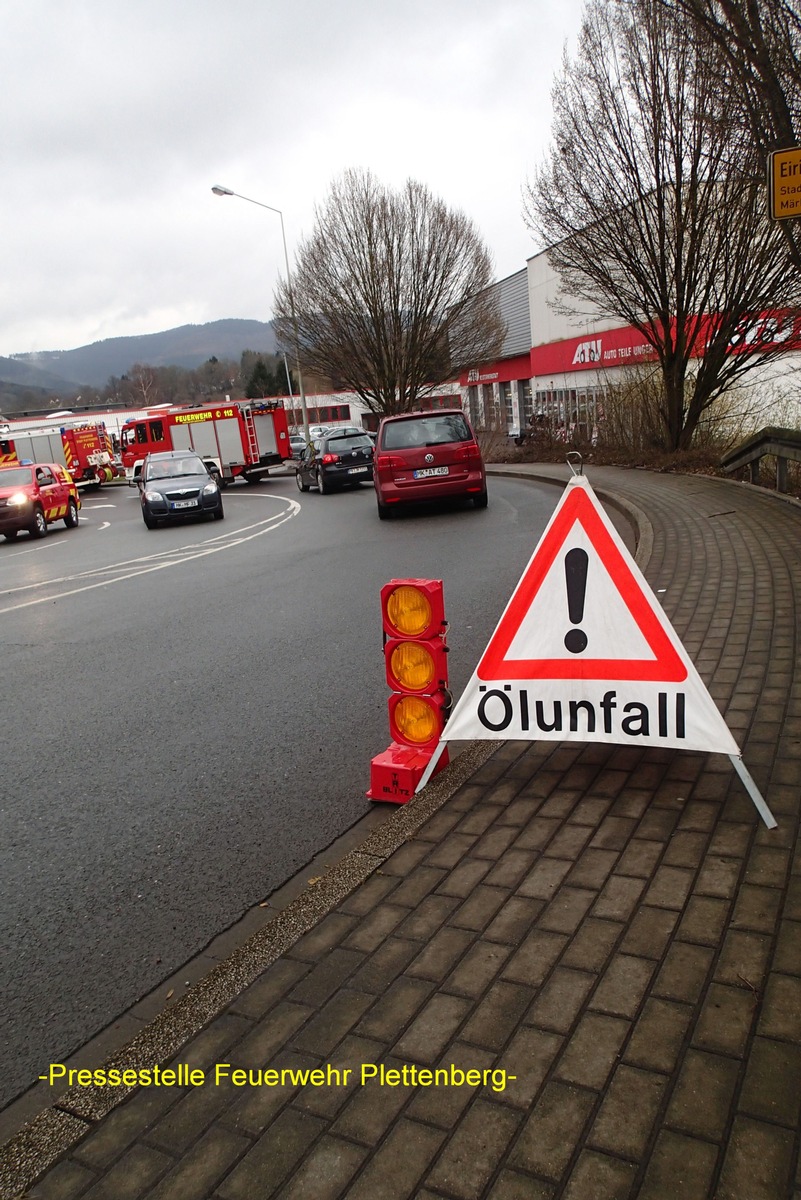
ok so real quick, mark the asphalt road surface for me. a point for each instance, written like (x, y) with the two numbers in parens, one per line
(188, 718)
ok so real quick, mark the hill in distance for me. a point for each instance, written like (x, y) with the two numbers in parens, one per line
(187, 346)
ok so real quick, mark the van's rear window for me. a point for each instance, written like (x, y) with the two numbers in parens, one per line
(435, 430)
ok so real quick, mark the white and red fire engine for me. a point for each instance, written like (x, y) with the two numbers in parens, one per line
(240, 439)
(83, 447)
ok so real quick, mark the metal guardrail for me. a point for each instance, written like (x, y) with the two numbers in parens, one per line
(783, 444)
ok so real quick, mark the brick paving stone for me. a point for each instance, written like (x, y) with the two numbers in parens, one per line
(269, 988)
(494, 842)
(393, 1011)
(565, 912)
(593, 1050)
(257, 1107)
(518, 812)
(529, 1057)
(702, 1099)
(326, 1172)
(370, 1112)
(614, 833)
(424, 921)
(670, 887)
(432, 1029)
(561, 999)
(622, 986)
(619, 898)
(513, 920)
(569, 841)
(511, 1185)
(649, 933)
(448, 853)
(591, 947)
(498, 1015)
(781, 1008)
(511, 868)
(399, 864)
(685, 849)
(704, 920)
(444, 1106)
(726, 1020)
(599, 1177)
(474, 1151)
(534, 958)
(544, 880)
(67, 1181)
(684, 972)
(268, 1037)
(771, 1089)
(478, 820)
(731, 839)
(333, 928)
(768, 867)
(719, 877)
(640, 858)
(126, 1123)
(439, 957)
(551, 1134)
(787, 958)
(632, 802)
(758, 1162)
(190, 1117)
(590, 811)
(593, 868)
(401, 1161)
(376, 926)
(537, 832)
(743, 959)
(203, 1167)
(657, 824)
(349, 1056)
(479, 908)
(132, 1175)
(326, 976)
(478, 968)
(209, 1045)
(680, 1168)
(462, 879)
(627, 1114)
(389, 960)
(334, 1020)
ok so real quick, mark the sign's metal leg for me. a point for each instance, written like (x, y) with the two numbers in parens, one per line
(753, 791)
(432, 762)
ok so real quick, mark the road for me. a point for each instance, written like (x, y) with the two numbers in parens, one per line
(189, 716)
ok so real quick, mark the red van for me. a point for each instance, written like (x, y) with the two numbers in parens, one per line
(427, 456)
(33, 495)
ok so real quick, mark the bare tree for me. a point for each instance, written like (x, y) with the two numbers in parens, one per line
(390, 294)
(760, 41)
(653, 208)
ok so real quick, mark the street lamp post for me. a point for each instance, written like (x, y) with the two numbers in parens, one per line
(224, 191)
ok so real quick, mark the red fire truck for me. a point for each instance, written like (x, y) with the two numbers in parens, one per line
(240, 439)
(83, 447)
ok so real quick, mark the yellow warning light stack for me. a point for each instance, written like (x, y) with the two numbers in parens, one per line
(415, 658)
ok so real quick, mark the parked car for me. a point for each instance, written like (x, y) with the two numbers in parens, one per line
(427, 456)
(297, 443)
(33, 495)
(175, 485)
(336, 460)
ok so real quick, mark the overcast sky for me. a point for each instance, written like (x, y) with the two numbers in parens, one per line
(117, 119)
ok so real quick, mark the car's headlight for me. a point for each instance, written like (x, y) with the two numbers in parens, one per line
(152, 497)
(19, 498)
(210, 489)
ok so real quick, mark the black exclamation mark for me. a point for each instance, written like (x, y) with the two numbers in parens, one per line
(576, 579)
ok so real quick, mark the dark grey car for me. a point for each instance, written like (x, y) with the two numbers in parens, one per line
(337, 460)
(175, 485)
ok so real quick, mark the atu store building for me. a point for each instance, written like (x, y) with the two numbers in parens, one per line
(555, 368)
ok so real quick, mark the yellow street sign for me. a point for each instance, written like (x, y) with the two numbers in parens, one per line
(784, 183)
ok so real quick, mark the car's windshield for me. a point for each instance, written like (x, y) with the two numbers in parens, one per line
(171, 468)
(425, 431)
(14, 476)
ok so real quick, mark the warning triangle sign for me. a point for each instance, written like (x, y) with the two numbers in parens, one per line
(584, 652)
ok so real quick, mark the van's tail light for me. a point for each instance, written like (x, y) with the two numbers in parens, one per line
(390, 462)
(329, 458)
(469, 452)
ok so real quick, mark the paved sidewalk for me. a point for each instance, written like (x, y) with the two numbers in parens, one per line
(608, 936)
